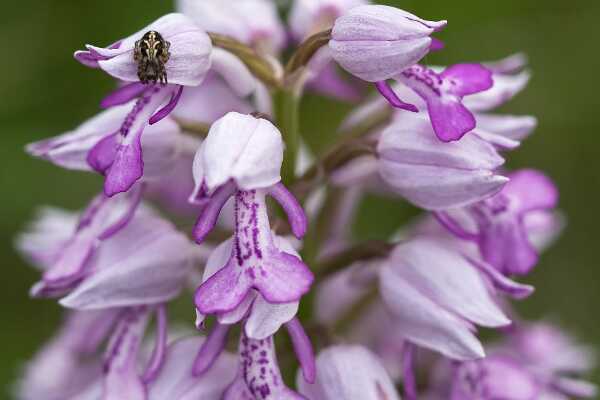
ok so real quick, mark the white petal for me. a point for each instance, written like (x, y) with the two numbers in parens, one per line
(145, 263)
(176, 381)
(448, 279)
(234, 71)
(244, 148)
(505, 88)
(267, 318)
(426, 323)
(348, 373)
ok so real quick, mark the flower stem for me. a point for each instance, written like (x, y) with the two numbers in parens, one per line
(306, 51)
(258, 65)
(286, 107)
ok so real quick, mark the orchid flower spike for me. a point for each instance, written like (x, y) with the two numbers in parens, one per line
(241, 157)
(499, 224)
(375, 42)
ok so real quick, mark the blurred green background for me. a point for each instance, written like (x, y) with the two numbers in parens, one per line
(44, 92)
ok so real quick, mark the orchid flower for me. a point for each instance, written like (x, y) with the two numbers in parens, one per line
(498, 224)
(73, 257)
(66, 365)
(375, 42)
(436, 175)
(242, 157)
(119, 156)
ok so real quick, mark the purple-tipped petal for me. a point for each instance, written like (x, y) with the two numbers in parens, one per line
(120, 375)
(505, 245)
(123, 95)
(168, 108)
(514, 289)
(447, 221)
(157, 359)
(88, 58)
(532, 190)
(284, 278)
(211, 349)
(223, 291)
(292, 208)
(451, 121)
(468, 79)
(127, 166)
(208, 218)
(436, 44)
(408, 372)
(388, 93)
(443, 95)
(103, 154)
(303, 349)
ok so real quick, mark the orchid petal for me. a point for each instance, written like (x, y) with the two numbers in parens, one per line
(348, 373)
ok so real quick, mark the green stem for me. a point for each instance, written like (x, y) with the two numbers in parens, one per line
(306, 51)
(257, 64)
(286, 106)
(197, 128)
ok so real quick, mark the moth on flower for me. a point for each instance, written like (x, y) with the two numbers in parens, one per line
(151, 53)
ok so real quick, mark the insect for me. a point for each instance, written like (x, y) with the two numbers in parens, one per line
(152, 53)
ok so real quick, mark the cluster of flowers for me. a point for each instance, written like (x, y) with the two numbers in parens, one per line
(201, 144)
